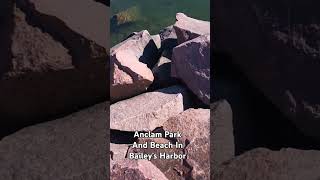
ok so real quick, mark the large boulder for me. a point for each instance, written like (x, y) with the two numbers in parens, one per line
(47, 68)
(194, 126)
(70, 148)
(265, 164)
(276, 44)
(221, 129)
(149, 110)
(187, 28)
(91, 25)
(191, 64)
(130, 62)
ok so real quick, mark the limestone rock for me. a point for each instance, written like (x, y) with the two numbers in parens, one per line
(265, 164)
(129, 76)
(191, 63)
(53, 78)
(73, 147)
(173, 169)
(187, 28)
(133, 170)
(149, 110)
(194, 126)
(92, 25)
(118, 151)
(130, 61)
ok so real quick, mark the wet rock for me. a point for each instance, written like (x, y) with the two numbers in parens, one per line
(132, 170)
(73, 147)
(273, 41)
(54, 80)
(187, 28)
(191, 64)
(173, 169)
(130, 62)
(266, 164)
(194, 126)
(221, 139)
(149, 110)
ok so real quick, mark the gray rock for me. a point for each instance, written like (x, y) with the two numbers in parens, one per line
(276, 45)
(187, 28)
(265, 164)
(191, 63)
(130, 61)
(221, 139)
(147, 111)
(194, 126)
(133, 170)
(73, 147)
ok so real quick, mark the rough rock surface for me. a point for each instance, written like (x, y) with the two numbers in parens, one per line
(133, 170)
(130, 61)
(173, 169)
(194, 126)
(276, 44)
(147, 111)
(265, 164)
(191, 63)
(53, 78)
(70, 148)
(187, 28)
(118, 151)
(92, 26)
(221, 139)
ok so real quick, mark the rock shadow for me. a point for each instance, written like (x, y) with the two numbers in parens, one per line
(256, 121)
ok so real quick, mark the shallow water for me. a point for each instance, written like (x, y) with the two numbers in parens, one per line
(154, 15)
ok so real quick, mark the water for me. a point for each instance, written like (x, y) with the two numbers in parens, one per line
(154, 15)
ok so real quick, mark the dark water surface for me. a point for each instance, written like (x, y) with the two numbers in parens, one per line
(154, 15)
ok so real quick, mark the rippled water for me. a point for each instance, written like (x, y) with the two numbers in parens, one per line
(154, 15)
